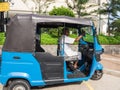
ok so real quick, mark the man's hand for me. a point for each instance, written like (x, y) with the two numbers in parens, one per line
(78, 38)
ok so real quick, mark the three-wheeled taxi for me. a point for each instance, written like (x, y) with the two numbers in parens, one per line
(24, 63)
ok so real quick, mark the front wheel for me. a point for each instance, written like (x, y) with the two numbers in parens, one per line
(19, 85)
(97, 75)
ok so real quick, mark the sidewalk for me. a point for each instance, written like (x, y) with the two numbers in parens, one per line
(116, 56)
(111, 64)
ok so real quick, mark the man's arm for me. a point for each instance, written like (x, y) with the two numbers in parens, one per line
(78, 38)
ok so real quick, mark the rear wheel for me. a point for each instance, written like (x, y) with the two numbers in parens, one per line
(97, 75)
(19, 85)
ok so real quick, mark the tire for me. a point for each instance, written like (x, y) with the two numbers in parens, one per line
(5, 88)
(97, 75)
(19, 85)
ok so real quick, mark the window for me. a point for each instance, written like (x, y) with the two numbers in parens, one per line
(89, 34)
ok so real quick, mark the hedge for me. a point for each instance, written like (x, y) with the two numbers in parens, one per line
(2, 38)
(48, 39)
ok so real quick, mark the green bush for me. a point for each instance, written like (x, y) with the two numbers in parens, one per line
(73, 35)
(113, 40)
(2, 38)
(88, 38)
(47, 39)
(118, 38)
(53, 32)
(103, 40)
(109, 40)
(62, 11)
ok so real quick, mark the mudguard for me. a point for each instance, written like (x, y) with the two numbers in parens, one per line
(99, 66)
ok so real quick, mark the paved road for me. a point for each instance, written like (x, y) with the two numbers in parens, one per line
(108, 82)
(111, 64)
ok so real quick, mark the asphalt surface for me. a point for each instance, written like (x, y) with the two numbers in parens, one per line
(108, 82)
(111, 64)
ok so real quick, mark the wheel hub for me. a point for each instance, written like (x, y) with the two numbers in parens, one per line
(18, 87)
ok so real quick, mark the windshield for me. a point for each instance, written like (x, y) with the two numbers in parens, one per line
(89, 34)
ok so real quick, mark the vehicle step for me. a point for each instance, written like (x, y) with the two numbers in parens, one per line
(76, 74)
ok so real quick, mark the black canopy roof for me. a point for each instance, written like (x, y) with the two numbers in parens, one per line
(20, 34)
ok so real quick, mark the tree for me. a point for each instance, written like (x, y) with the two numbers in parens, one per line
(115, 25)
(42, 5)
(77, 6)
(115, 8)
(62, 11)
(112, 9)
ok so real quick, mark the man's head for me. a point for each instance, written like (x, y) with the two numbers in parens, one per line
(83, 32)
(65, 31)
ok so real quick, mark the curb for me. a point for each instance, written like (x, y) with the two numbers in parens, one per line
(111, 72)
(110, 59)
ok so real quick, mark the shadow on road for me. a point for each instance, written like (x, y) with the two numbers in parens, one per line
(56, 85)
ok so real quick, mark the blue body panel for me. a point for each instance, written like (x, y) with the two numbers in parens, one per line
(82, 42)
(99, 66)
(26, 67)
(97, 46)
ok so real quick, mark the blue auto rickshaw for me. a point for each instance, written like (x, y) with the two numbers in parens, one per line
(25, 64)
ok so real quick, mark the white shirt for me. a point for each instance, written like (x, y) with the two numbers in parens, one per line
(67, 41)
